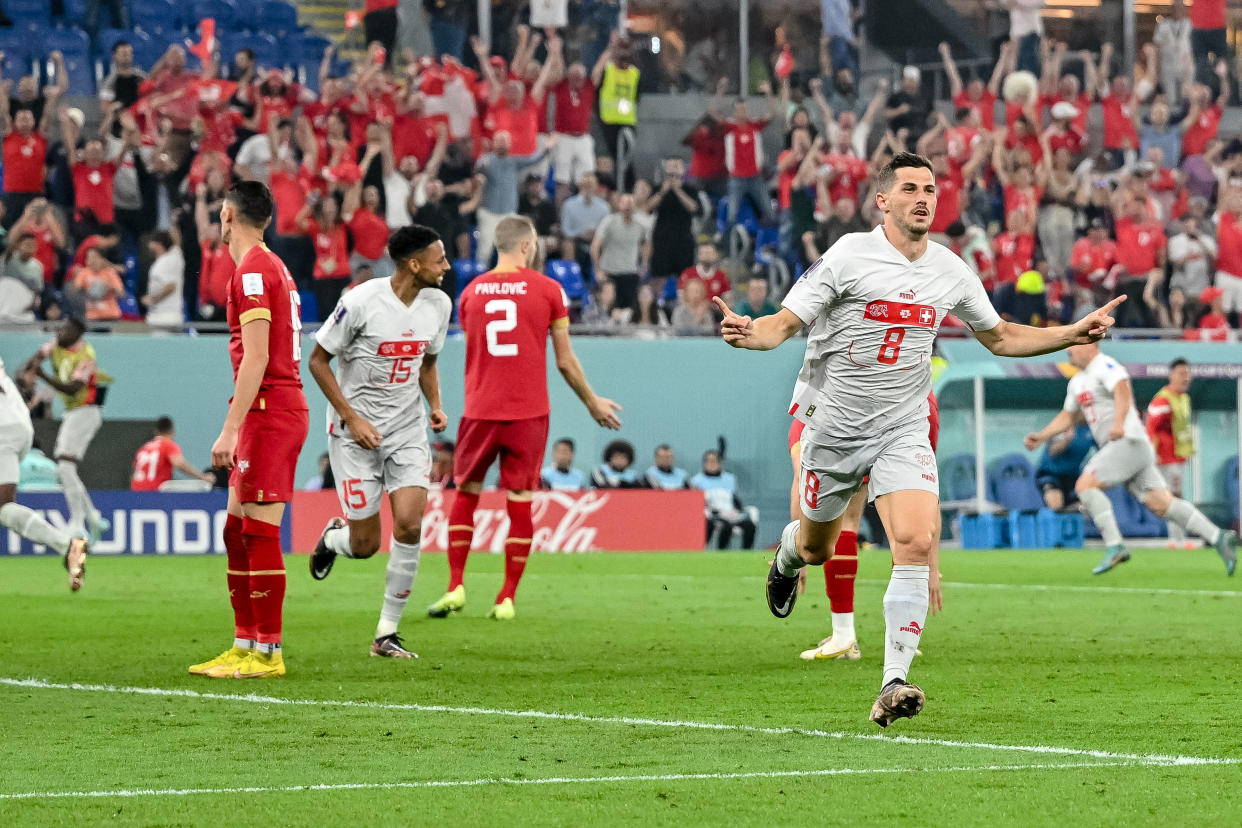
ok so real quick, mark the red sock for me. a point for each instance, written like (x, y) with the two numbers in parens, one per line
(517, 546)
(461, 535)
(239, 579)
(267, 577)
(840, 571)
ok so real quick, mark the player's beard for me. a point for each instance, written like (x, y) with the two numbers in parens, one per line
(912, 230)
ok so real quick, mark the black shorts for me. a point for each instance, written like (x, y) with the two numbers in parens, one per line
(1064, 483)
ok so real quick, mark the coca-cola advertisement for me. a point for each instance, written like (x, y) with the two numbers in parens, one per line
(594, 520)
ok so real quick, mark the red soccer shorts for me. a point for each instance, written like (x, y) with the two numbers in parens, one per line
(518, 443)
(267, 455)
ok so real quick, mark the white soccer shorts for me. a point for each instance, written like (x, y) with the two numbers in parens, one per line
(1129, 462)
(831, 474)
(363, 475)
(573, 157)
(15, 442)
(1174, 475)
(1232, 286)
(77, 429)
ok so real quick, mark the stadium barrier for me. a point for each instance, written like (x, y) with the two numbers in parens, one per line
(586, 521)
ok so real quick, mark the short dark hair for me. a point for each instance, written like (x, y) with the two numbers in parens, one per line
(163, 238)
(410, 241)
(962, 113)
(248, 52)
(663, 447)
(887, 175)
(77, 322)
(711, 453)
(108, 230)
(253, 202)
(1177, 363)
(564, 441)
(164, 425)
(118, 44)
(623, 447)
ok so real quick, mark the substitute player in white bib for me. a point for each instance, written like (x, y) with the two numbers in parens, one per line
(387, 333)
(16, 438)
(874, 303)
(1101, 394)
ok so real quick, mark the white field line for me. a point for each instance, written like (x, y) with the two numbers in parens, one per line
(251, 698)
(559, 780)
(1203, 593)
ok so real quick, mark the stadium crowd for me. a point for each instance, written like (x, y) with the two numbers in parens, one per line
(1064, 178)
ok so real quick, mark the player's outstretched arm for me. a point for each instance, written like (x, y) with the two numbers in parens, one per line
(603, 410)
(250, 373)
(429, 384)
(1060, 423)
(1013, 340)
(320, 365)
(762, 334)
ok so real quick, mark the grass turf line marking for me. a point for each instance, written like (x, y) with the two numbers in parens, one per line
(560, 780)
(252, 698)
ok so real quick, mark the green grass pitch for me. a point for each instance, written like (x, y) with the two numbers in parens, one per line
(652, 689)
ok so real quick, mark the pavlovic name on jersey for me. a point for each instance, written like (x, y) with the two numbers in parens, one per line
(501, 288)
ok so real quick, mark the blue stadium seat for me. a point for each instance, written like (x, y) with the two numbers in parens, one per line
(745, 217)
(276, 16)
(129, 307)
(1011, 483)
(569, 274)
(266, 51)
(76, 47)
(106, 39)
(957, 477)
(310, 308)
(312, 48)
(18, 58)
(222, 11)
(1231, 486)
(154, 15)
(150, 49)
(75, 12)
(247, 16)
(37, 12)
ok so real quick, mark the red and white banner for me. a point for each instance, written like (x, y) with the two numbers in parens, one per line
(588, 521)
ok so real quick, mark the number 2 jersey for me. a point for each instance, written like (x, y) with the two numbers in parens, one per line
(874, 315)
(507, 317)
(1091, 392)
(261, 288)
(381, 342)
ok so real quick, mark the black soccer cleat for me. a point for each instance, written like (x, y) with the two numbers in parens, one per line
(898, 700)
(782, 592)
(390, 646)
(322, 558)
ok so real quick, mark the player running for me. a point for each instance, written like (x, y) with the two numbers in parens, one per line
(875, 301)
(155, 461)
(388, 334)
(16, 438)
(1169, 429)
(262, 434)
(841, 569)
(82, 388)
(507, 315)
(1101, 394)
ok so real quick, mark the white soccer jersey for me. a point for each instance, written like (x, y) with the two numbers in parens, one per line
(13, 410)
(874, 316)
(380, 342)
(1091, 392)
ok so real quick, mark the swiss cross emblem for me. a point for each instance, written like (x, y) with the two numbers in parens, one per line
(94, 178)
(407, 347)
(745, 138)
(926, 316)
(1144, 239)
(27, 150)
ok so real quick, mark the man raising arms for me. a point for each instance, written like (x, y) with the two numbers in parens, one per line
(262, 434)
(507, 315)
(875, 302)
(388, 334)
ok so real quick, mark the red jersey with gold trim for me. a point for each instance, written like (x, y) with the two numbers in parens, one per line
(261, 288)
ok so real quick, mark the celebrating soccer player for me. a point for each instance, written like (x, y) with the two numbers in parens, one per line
(874, 302)
(262, 434)
(1101, 394)
(507, 315)
(388, 333)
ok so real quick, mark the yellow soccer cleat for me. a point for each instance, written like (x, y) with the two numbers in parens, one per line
(261, 665)
(830, 649)
(503, 611)
(223, 665)
(449, 603)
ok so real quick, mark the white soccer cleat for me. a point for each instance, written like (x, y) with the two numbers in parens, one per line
(832, 648)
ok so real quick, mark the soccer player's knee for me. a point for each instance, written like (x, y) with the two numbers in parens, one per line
(917, 545)
(363, 544)
(66, 469)
(1085, 483)
(408, 530)
(1159, 502)
(812, 552)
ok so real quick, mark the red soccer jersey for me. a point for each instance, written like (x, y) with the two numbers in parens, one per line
(948, 202)
(716, 282)
(507, 317)
(1139, 246)
(851, 171)
(1088, 257)
(522, 124)
(215, 275)
(1118, 128)
(370, 234)
(46, 251)
(1013, 255)
(1229, 240)
(1022, 199)
(1082, 104)
(153, 464)
(416, 136)
(707, 154)
(574, 108)
(289, 192)
(1208, 14)
(1072, 140)
(984, 108)
(785, 180)
(1195, 138)
(1015, 110)
(744, 147)
(1160, 431)
(331, 250)
(24, 157)
(959, 143)
(92, 189)
(261, 288)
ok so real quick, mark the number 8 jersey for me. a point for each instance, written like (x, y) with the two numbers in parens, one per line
(874, 315)
(507, 317)
(261, 288)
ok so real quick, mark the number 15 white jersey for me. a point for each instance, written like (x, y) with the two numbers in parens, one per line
(380, 342)
(874, 315)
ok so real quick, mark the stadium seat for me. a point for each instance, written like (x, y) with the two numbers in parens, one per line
(106, 39)
(1011, 483)
(37, 12)
(266, 51)
(74, 11)
(1231, 486)
(18, 59)
(310, 308)
(276, 16)
(224, 12)
(569, 275)
(745, 217)
(154, 15)
(129, 307)
(312, 48)
(957, 477)
(246, 17)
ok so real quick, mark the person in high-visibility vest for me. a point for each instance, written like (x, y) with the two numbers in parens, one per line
(1169, 429)
(616, 78)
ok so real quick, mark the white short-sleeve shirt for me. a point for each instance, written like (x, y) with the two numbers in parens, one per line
(1091, 392)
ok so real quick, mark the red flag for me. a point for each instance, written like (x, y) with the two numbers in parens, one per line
(784, 63)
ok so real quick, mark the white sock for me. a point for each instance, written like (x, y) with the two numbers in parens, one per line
(843, 626)
(1101, 511)
(905, 612)
(269, 647)
(788, 561)
(27, 523)
(1183, 513)
(80, 507)
(1176, 533)
(245, 643)
(338, 541)
(398, 582)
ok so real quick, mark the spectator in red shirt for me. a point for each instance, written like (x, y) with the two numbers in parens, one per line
(1062, 132)
(575, 101)
(1204, 128)
(1214, 324)
(979, 99)
(370, 231)
(1209, 35)
(744, 158)
(1014, 250)
(1139, 272)
(217, 263)
(25, 151)
(1118, 103)
(379, 25)
(322, 222)
(705, 270)
(1065, 88)
(155, 461)
(1093, 257)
